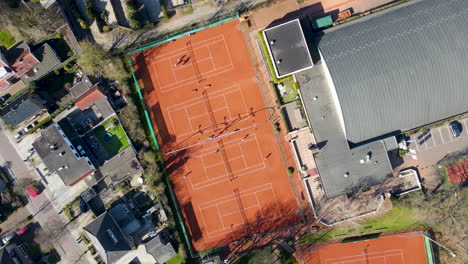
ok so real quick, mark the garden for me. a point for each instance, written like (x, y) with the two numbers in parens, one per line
(399, 218)
(6, 39)
(111, 136)
(287, 88)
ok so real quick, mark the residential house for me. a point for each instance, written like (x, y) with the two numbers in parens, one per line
(160, 247)
(19, 63)
(23, 110)
(63, 153)
(108, 238)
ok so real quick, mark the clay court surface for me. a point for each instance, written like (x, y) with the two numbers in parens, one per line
(214, 130)
(403, 248)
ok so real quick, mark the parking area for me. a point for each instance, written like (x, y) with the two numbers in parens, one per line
(437, 136)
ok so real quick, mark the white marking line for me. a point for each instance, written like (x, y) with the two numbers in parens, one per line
(222, 178)
(190, 123)
(211, 56)
(222, 222)
(357, 257)
(189, 118)
(238, 211)
(465, 128)
(196, 101)
(450, 134)
(152, 65)
(199, 99)
(441, 136)
(197, 61)
(206, 76)
(229, 67)
(184, 49)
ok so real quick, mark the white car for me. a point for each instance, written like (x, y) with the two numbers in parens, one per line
(19, 134)
(7, 239)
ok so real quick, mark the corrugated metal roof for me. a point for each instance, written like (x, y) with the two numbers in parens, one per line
(400, 69)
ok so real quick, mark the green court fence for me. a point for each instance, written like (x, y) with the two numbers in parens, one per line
(185, 32)
(167, 39)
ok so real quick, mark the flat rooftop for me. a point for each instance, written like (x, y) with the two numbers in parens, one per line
(366, 165)
(288, 48)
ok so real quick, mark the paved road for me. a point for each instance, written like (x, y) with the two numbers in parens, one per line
(40, 205)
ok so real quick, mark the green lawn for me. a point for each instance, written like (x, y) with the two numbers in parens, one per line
(399, 218)
(177, 259)
(119, 140)
(6, 39)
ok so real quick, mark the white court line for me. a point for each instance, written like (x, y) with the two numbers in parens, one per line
(364, 259)
(221, 218)
(190, 123)
(181, 67)
(194, 46)
(220, 179)
(396, 251)
(156, 73)
(238, 211)
(217, 71)
(263, 187)
(189, 118)
(197, 100)
(211, 56)
(227, 50)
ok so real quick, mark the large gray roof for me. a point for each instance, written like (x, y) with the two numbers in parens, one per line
(335, 158)
(400, 69)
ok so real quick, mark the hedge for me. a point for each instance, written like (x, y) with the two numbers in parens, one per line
(269, 61)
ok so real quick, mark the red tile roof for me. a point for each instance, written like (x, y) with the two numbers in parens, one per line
(458, 172)
(89, 98)
(25, 62)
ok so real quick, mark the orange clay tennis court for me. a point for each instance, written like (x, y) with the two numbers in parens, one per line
(216, 137)
(394, 249)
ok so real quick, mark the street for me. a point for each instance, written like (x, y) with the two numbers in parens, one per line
(39, 206)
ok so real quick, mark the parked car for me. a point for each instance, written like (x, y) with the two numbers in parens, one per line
(4, 98)
(30, 126)
(455, 128)
(83, 206)
(32, 190)
(19, 134)
(7, 238)
(22, 231)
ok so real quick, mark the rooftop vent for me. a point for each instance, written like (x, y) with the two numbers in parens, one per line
(62, 153)
(346, 175)
(112, 236)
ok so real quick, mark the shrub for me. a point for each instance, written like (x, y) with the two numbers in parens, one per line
(133, 19)
(68, 213)
(277, 127)
(90, 13)
(149, 156)
(85, 238)
(83, 23)
(290, 171)
(58, 35)
(164, 11)
(92, 250)
(104, 16)
(28, 218)
(105, 28)
(402, 153)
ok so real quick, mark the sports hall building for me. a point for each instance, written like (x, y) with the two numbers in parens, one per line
(375, 78)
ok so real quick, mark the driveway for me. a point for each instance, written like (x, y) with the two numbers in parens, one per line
(39, 206)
